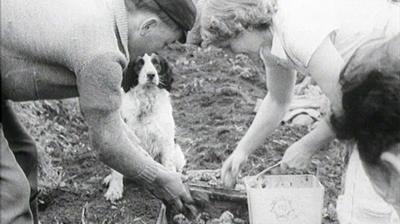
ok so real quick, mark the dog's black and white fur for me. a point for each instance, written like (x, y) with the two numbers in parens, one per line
(147, 111)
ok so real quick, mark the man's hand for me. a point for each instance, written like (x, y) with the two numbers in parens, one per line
(297, 156)
(231, 168)
(169, 188)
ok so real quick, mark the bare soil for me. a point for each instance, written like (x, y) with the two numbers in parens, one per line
(214, 96)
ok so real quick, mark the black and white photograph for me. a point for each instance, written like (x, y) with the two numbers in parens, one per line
(200, 112)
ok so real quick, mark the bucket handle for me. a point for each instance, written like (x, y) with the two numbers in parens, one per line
(267, 169)
(278, 164)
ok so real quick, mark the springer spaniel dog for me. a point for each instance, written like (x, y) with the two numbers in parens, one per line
(147, 111)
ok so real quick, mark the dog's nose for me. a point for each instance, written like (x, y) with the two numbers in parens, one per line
(151, 76)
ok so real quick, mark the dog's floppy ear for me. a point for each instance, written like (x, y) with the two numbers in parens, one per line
(166, 74)
(130, 77)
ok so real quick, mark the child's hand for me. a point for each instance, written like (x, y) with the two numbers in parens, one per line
(231, 168)
(297, 156)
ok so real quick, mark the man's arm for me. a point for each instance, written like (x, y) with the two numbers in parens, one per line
(100, 98)
(99, 86)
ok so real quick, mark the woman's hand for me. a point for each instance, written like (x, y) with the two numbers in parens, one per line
(231, 168)
(297, 156)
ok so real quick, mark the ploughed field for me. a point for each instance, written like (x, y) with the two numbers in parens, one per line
(214, 96)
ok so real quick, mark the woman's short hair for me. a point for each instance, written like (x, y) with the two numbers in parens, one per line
(371, 101)
(222, 20)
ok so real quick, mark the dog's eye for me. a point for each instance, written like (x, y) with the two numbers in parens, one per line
(158, 67)
(156, 64)
(140, 62)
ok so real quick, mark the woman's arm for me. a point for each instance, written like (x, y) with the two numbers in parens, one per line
(321, 135)
(280, 83)
(299, 154)
(325, 66)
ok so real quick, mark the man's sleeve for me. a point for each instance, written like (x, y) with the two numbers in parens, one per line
(99, 87)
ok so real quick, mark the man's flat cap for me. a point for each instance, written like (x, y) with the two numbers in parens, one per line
(182, 12)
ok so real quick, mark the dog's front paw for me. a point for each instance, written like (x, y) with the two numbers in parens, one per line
(114, 192)
(115, 186)
(107, 180)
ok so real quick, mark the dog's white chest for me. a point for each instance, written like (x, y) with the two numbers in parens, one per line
(149, 114)
(147, 111)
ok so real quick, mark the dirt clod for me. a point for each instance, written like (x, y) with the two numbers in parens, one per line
(204, 218)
